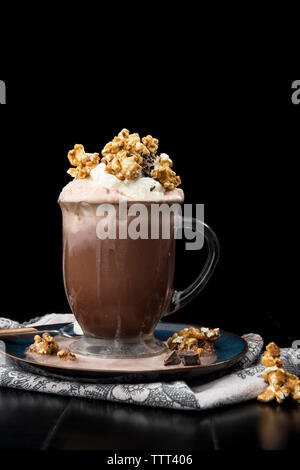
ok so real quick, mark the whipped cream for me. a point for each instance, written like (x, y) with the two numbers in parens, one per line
(141, 188)
(102, 187)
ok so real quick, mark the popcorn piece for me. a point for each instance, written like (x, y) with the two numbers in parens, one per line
(130, 167)
(194, 340)
(164, 174)
(133, 145)
(84, 162)
(277, 378)
(124, 155)
(151, 143)
(45, 345)
(114, 147)
(267, 396)
(281, 383)
(269, 361)
(273, 349)
(174, 341)
(296, 391)
(281, 394)
(124, 142)
(124, 134)
(208, 346)
(268, 371)
(66, 354)
(124, 168)
(179, 339)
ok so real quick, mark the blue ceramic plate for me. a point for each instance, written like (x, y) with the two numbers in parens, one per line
(229, 349)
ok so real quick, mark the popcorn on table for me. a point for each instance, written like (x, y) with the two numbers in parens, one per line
(281, 384)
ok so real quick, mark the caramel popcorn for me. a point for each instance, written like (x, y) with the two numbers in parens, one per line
(296, 392)
(128, 157)
(124, 167)
(165, 175)
(191, 339)
(282, 384)
(124, 155)
(273, 349)
(269, 361)
(84, 162)
(66, 354)
(151, 143)
(44, 345)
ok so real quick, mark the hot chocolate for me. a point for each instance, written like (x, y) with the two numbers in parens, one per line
(118, 288)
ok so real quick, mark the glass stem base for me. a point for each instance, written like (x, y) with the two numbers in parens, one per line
(118, 348)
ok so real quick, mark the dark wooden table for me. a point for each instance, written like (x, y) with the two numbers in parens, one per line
(38, 421)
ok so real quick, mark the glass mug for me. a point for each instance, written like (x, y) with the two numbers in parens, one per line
(119, 289)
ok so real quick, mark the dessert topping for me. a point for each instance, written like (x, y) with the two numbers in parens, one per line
(151, 144)
(165, 175)
(128, 157)
(84, 162)
(124, 155)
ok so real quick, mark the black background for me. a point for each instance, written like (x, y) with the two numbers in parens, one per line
(234, 141)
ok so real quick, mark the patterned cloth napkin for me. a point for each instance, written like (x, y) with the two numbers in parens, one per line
(240, 383)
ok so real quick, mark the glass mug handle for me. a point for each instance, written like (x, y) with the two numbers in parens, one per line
(182, 298)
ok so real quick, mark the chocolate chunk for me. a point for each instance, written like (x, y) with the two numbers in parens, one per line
(148, 164)
(173, 359)
(189, 358)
